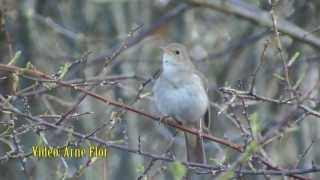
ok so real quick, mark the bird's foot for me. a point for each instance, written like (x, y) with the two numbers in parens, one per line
(169, 119)
(200, 133)
(163, 119)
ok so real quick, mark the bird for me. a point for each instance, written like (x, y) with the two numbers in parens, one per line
(180, 92)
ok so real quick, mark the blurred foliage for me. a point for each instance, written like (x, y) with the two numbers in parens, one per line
(52, 35)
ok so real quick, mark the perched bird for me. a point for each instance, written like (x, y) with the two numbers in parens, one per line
(180, 93)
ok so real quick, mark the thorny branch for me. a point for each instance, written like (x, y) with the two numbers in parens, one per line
(241, 170)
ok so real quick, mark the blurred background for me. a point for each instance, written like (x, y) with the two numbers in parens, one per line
(228, 49)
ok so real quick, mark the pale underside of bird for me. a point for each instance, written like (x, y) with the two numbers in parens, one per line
(180, 92)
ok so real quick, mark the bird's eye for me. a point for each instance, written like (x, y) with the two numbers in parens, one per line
(177, 52)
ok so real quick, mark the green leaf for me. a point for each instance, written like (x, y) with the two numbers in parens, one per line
(250, 149)
(255, 125)
(278, 76)
(227, 175)
(140, 168)
(178, 170)
(293, 58)
(63, 69)
(29, 65)
(14, 60)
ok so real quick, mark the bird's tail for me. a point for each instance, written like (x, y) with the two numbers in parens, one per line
(195, 148)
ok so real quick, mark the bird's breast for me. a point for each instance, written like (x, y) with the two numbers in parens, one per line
(185, 100)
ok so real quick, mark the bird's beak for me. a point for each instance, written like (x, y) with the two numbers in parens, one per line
(164, 49)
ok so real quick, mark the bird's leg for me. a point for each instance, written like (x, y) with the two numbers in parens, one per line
(200, 129)
(169, 119)
(201, 143)
(200, 132)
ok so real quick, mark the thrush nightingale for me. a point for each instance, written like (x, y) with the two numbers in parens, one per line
(180, 93)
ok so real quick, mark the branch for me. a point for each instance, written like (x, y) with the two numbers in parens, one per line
(258, 16)
(210, 168)
(33, 73)
(165, 19)
(253, 96)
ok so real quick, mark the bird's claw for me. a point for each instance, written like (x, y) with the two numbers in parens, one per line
(163, 119)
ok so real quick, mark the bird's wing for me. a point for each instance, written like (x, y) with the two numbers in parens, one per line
(207, 116)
